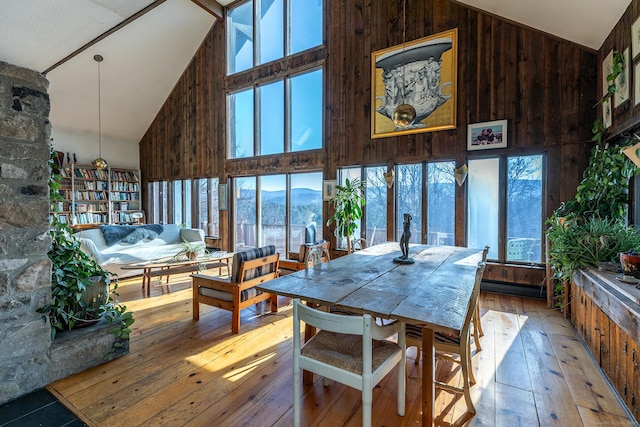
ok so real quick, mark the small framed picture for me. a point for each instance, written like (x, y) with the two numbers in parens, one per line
(328, 189)
(635, 38)
(621, 94)
(222, 197)
(487, 135)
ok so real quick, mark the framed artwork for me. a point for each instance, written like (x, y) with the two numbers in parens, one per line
(487, 135)
(635, 38)
(328, 189)
(621, 94)
(636, 84)
(223, 196)
(415, 82)
(607, 68)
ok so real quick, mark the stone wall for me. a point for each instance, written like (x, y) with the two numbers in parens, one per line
(25, 270)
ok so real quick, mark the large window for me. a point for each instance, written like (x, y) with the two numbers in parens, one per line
(276, 210)
(281, 27)
(520, 222)
(276, 117)
(409, 186)
(373, 225)
(284, 113)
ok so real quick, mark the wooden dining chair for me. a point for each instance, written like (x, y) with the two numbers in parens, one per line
(317, 254)
(359, 244)
(476, 320)
(448, 346)
(351, 350)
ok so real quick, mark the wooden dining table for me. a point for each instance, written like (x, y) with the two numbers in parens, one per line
(434, 291)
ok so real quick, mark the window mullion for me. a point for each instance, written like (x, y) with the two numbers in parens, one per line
(502, 209)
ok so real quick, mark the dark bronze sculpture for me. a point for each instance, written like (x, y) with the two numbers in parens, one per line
(404, 241)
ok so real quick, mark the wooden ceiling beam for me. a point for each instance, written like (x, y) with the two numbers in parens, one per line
(211, 6)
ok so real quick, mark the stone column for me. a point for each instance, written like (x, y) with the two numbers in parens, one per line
(25, 270)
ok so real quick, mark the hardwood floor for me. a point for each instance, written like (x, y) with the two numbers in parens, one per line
(533, 370)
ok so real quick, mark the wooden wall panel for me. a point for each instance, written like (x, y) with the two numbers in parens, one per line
(546, 87)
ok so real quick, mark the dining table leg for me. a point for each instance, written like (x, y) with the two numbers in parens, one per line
(428, 373)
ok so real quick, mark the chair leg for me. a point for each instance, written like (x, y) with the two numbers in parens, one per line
(235, 321)
(402, 385)
(297, 391)
(477, 322)
(476, 331)
(274, 303)
(465, 360)
(367, 399)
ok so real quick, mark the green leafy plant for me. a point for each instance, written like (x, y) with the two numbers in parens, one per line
(81, 290)
(591, 227)
(348, 202)
(189, 250)
(576, 244)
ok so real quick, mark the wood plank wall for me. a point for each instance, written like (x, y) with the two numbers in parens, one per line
(544, 86)
(626, 117)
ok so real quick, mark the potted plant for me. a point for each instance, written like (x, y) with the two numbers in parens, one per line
(348, 202)
(591, 228)
(190, 250)
(80, 287)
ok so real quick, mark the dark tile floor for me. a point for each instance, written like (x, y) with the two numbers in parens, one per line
(37, 409)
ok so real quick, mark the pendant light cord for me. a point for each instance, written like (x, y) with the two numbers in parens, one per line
(98, 59)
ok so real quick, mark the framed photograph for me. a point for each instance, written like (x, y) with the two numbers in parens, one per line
(414, 86)
(328, 189)
(636, 84)
(223, 197)
(607, 68)
(606, 114)
(635, 38)
(487, 135)
(622, 82)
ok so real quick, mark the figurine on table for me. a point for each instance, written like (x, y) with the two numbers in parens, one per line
(404, 241)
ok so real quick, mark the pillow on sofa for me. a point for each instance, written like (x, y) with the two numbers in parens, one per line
(114, 233)
(140, 234)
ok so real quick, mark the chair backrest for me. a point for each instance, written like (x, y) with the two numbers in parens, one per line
(359, 244)
(317, 254)
(475, 295)
(251, 254)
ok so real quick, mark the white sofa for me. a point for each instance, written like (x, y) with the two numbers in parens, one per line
(115, 245)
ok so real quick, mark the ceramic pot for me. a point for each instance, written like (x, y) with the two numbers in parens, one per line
(630, 263)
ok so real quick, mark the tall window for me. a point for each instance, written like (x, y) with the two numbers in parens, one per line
(158, 203)
(520, 223)
(441, 206)
(176, 198)
(409, 187)
(281, 27)
(287, 115)
(283, 113)
(208, 216)
(276, 209)
(373, 225)
(375, 211)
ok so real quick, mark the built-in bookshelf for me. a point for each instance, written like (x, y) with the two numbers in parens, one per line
(125, 196)
(92, 196)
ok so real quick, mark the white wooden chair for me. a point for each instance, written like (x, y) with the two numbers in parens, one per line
(359, 244)
(343, 351)
(446, 346)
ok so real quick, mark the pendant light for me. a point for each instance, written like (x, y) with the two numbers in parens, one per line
(404, 114)
(99, 163)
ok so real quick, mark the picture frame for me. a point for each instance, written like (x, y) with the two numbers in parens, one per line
(621, 94)
(430, 64)
(223, 197)
(635, 38)
(636, 84)
(487, 135)
(607, 69)
(328, 189)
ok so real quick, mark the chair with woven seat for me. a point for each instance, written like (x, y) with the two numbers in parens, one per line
(446, 345)
(250, 268)
(351, 350)
(476, 320)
